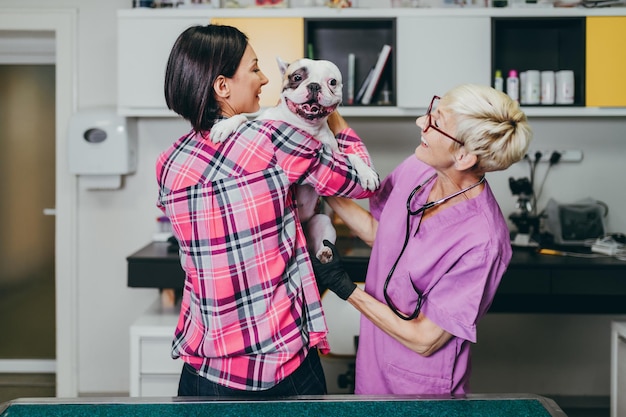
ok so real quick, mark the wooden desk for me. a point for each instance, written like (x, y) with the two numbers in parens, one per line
(533, 283)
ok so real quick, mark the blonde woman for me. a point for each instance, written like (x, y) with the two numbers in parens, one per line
(440, 246)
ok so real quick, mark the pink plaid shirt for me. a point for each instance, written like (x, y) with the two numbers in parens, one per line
(250, 308)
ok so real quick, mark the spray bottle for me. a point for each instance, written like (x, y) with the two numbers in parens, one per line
(498, 82)
(512, 85)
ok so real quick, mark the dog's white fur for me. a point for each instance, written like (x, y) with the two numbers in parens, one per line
(312, 90)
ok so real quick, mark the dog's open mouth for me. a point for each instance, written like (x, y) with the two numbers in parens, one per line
(310, 110)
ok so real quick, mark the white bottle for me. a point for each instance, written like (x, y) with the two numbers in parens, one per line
(547, 87)
(522, 88)
(512, 85)
(564, 80)
(498, 82)
(533, 87)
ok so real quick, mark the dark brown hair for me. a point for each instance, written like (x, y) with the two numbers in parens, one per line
(198, 57)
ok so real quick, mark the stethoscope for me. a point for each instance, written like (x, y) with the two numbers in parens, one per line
(410, 213)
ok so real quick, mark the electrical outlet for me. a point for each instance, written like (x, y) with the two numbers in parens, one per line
(566, 156)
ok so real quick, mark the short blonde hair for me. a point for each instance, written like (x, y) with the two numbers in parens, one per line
(490, 124)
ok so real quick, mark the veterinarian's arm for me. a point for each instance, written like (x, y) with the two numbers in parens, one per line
(421, 335)
(358, 220)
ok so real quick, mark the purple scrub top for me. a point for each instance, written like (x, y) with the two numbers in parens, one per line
(456, 259)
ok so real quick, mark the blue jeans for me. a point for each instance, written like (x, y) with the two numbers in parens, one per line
(308, 379)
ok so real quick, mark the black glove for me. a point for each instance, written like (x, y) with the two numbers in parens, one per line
(331, 275)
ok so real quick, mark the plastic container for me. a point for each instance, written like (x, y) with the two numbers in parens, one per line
(498, 81)
(512, 85)
(548, 88)
(164, 229)
(532, 87)
(564, 80)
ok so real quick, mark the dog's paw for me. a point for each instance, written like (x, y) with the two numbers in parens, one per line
(219, 132)
(368, 177)
(324, 255)
(369, 180)
(224, 128)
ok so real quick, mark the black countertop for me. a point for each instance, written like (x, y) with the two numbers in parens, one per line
(533, 283)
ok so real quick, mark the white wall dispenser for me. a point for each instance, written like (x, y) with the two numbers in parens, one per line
(102, 148)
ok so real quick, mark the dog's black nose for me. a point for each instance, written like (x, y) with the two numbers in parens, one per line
(314, 88)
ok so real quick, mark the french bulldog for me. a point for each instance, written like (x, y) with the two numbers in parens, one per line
(311, 91)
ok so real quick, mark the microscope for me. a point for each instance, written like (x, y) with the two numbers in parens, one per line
(525, 217)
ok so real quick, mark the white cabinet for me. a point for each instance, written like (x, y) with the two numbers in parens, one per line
(618, 369)
(436, 49)
(153, 373)
(144, 44)
(437, 53)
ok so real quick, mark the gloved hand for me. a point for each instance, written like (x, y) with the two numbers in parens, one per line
(331, 275)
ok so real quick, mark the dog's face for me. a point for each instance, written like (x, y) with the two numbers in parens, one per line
(312, 89)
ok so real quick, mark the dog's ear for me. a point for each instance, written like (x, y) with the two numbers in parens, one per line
(282, 65)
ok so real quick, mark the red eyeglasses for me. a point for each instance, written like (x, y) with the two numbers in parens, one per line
(429, 123)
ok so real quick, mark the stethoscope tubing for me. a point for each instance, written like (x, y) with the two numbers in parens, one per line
(410, 213)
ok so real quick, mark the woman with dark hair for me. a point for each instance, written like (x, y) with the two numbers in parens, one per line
(251, 321)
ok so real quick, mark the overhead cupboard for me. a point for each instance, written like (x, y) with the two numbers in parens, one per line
(432, 50)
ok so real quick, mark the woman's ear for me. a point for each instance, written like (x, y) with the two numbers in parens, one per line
(464, 160)
(221, 87)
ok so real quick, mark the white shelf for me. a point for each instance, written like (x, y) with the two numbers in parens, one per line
(388, 111)
(328, 12)
(574, 111)
(145, 36)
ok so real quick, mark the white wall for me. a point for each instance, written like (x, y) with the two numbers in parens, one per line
(602, 141)
(114, 224)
